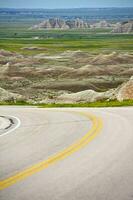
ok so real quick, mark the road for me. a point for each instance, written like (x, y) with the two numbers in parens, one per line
(67, 153)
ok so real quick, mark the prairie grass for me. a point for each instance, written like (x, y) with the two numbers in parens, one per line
(113, 103)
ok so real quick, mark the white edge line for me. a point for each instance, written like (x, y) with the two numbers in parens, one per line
(13, 129)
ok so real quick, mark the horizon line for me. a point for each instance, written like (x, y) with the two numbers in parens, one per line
(67, 8)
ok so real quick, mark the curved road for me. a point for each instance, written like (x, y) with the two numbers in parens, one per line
(60, 154)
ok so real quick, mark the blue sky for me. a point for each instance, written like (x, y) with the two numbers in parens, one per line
(64, 3)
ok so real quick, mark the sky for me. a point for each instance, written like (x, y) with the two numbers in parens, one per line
(64, 3)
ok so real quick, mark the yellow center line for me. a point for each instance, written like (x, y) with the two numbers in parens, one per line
(87, 138)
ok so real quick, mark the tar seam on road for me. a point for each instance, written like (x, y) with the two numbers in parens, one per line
(97, 125)
(14, 128)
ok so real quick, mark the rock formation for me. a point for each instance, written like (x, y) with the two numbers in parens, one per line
(111, 59)
(101, 24)
(124, 27)
(8, 96)
(123, 92)
(76, 75)
(6, 53)
(57, 23)
(85, 96)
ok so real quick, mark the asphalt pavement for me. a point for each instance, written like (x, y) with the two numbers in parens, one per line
(67, 154)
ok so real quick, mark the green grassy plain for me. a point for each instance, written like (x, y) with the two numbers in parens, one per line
(15, 36)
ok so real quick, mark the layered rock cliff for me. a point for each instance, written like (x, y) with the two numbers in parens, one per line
(9, 96)
(123, 92)
(57, 23)
(124, 27)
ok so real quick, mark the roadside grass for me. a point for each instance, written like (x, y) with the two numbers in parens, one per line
(15, 103)
(97, 104)
(93, 104)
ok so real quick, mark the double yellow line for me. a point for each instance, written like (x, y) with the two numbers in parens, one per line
(93, 132)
